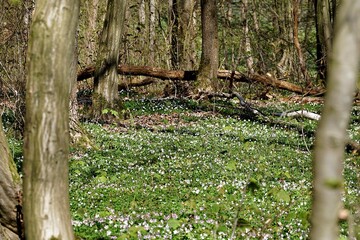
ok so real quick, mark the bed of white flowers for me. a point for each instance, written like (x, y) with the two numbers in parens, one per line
(190, 174)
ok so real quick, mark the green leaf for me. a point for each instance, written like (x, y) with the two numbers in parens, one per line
(228, 128)
(174, 223)
(287, 175)
(282, 195)
(15, 2)
(101, 179)
(135, 229)
(215, 208)
(222, 228)
(231, 165)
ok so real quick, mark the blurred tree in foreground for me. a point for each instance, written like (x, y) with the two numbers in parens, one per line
(331, 134)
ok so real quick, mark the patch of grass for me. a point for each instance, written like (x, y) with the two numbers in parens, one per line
(213, 177)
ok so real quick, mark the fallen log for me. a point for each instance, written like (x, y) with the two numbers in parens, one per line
(136, 83)
(147, 71)
(234, 76)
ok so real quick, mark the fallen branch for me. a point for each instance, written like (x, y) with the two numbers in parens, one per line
(234, 76)
(351, 146)
(136, 83)
(301, 113)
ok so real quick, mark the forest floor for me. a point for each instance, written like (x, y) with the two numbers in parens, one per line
(181, 169)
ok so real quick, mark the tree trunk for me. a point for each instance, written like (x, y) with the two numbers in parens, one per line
(331, 133)
(106, 78)
(181, 35)
(248, 51)
(78, 136)
(152, 24)
(10, 228)
(46, 141)
(91, 8)
(210, 53)
(302, 62)
(324, 32)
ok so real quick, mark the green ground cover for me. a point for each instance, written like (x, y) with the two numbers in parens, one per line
(181, 170)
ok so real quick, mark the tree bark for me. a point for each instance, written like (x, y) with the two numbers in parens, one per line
(91, 8)
(210, 50)
(331, 134)
(10, 228)
(46, 140)
(182, 34)
(106, 78)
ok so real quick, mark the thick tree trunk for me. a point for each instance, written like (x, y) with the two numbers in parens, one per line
(10, 228)
(106, 78)
(331, 134)
(182, 34)
(46, 142)
(210, 50)
(78, 136)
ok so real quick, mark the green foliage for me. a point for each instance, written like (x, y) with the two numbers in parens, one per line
(15, 2)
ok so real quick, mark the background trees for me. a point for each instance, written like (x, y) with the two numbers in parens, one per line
(46, 144)
(266, 41)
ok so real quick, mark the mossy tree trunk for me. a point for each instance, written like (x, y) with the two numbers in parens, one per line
(331, 134)
(10, 228)
(106, 77)
(46, 140)
(210, 47)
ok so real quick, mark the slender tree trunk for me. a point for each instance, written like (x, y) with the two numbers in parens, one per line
(302, 62)
(106, 78)
(152, 33)
(142, 13)
(324, 34)
(174, 34)
(10, 226)
(78, 135)
(248, 51)
(46, 142)
(331, 134)
(210, 51)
